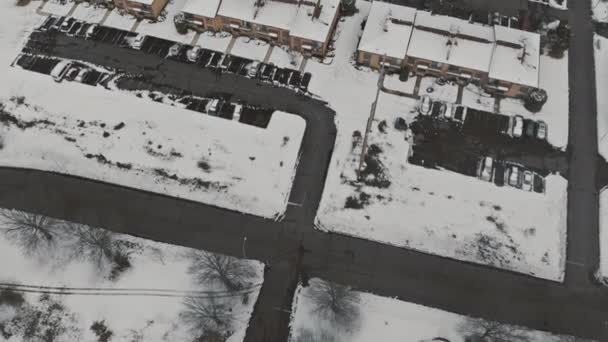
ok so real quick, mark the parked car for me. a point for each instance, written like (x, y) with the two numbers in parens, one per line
(194, 53)
(174, 50)
(66, 24)
(486, 166)
(518, 126)
(437, 109)
(449, 109)
(425, 105)
(214, 107)
(305, 81)
(60, 70)
(226, 62)
(236, 115)
(71, 74)
(530, 128)
(137, 41)
(527, 181)
(57, 24)
(460, 113)
(91, 31)
(514, 177)
(253, 69)
(81, 75)
(541, 131)
(74, 28)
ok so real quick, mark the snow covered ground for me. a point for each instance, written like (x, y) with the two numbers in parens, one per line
(155, 268)
(600, 10)
(388, 320)
(165, 28)
(103, 135)
(217, 42)
(120, 21)
(601, 80)
(250, 48)
(392, 82)
(438, 212)
(283, 58)
(447, 92)
(86, 12)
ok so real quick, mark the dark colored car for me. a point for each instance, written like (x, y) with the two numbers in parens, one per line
(530, 130)
(305, 81)
(295, 78)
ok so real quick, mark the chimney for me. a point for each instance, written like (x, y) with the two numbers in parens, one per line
(317, 11)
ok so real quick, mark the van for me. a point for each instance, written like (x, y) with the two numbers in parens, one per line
(60, 70)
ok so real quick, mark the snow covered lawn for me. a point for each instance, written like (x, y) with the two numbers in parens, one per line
(55, 7)
(167, 272)
(447, 92)
(283, 58)
(217, 42)
(601, 80)
(250, 48)
(89, 13)
(166, 28)
(600, 10)
(388, 320)
(120, 21)
(392, 82)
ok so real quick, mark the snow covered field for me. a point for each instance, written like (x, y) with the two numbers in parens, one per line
(166, 271)
(601, 80)
(390, 320)
(86, 12)
(600, 10)
(438, 212)
(103, 135)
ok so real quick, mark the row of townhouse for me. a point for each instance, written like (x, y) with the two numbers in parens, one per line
(149, 9)
(303, 25)
(502, 60)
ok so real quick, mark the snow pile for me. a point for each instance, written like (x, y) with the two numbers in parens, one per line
(601, 80)
(152, 268)
(391, 320)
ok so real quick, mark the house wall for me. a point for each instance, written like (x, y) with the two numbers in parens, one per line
(374, 61)
(200, 23)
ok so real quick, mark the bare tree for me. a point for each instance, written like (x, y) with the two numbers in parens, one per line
(335, 302)
(208, 316)
(490, 331)
(207, 268)
(32, 232)
(92, 244)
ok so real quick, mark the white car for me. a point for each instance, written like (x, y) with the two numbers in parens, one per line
(449, 108)
(194, 53)
(214, 106)
(236, 115)
(90, 31)
(486, 168)
(137, 42)
(518, 126)
(527, 181)
(174, 50)
(60, 70)
(425, 105)
(541, 131)
(514, 177)
(253, 69)
(81, 75)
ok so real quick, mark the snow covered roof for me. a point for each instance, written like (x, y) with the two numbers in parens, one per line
(388, 29)
(273, 13)
(145, 2)
(204, 8)
(452, 41)
(292, 17)
(317, 29)
(516, 56)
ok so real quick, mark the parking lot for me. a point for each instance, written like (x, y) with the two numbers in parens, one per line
(205, 58)
(505, 150)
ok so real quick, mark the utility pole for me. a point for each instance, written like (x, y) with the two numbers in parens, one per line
(372, 114)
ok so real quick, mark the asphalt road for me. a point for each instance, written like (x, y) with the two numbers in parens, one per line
(576, 307)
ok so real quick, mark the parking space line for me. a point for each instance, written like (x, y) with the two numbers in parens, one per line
(295, 204)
